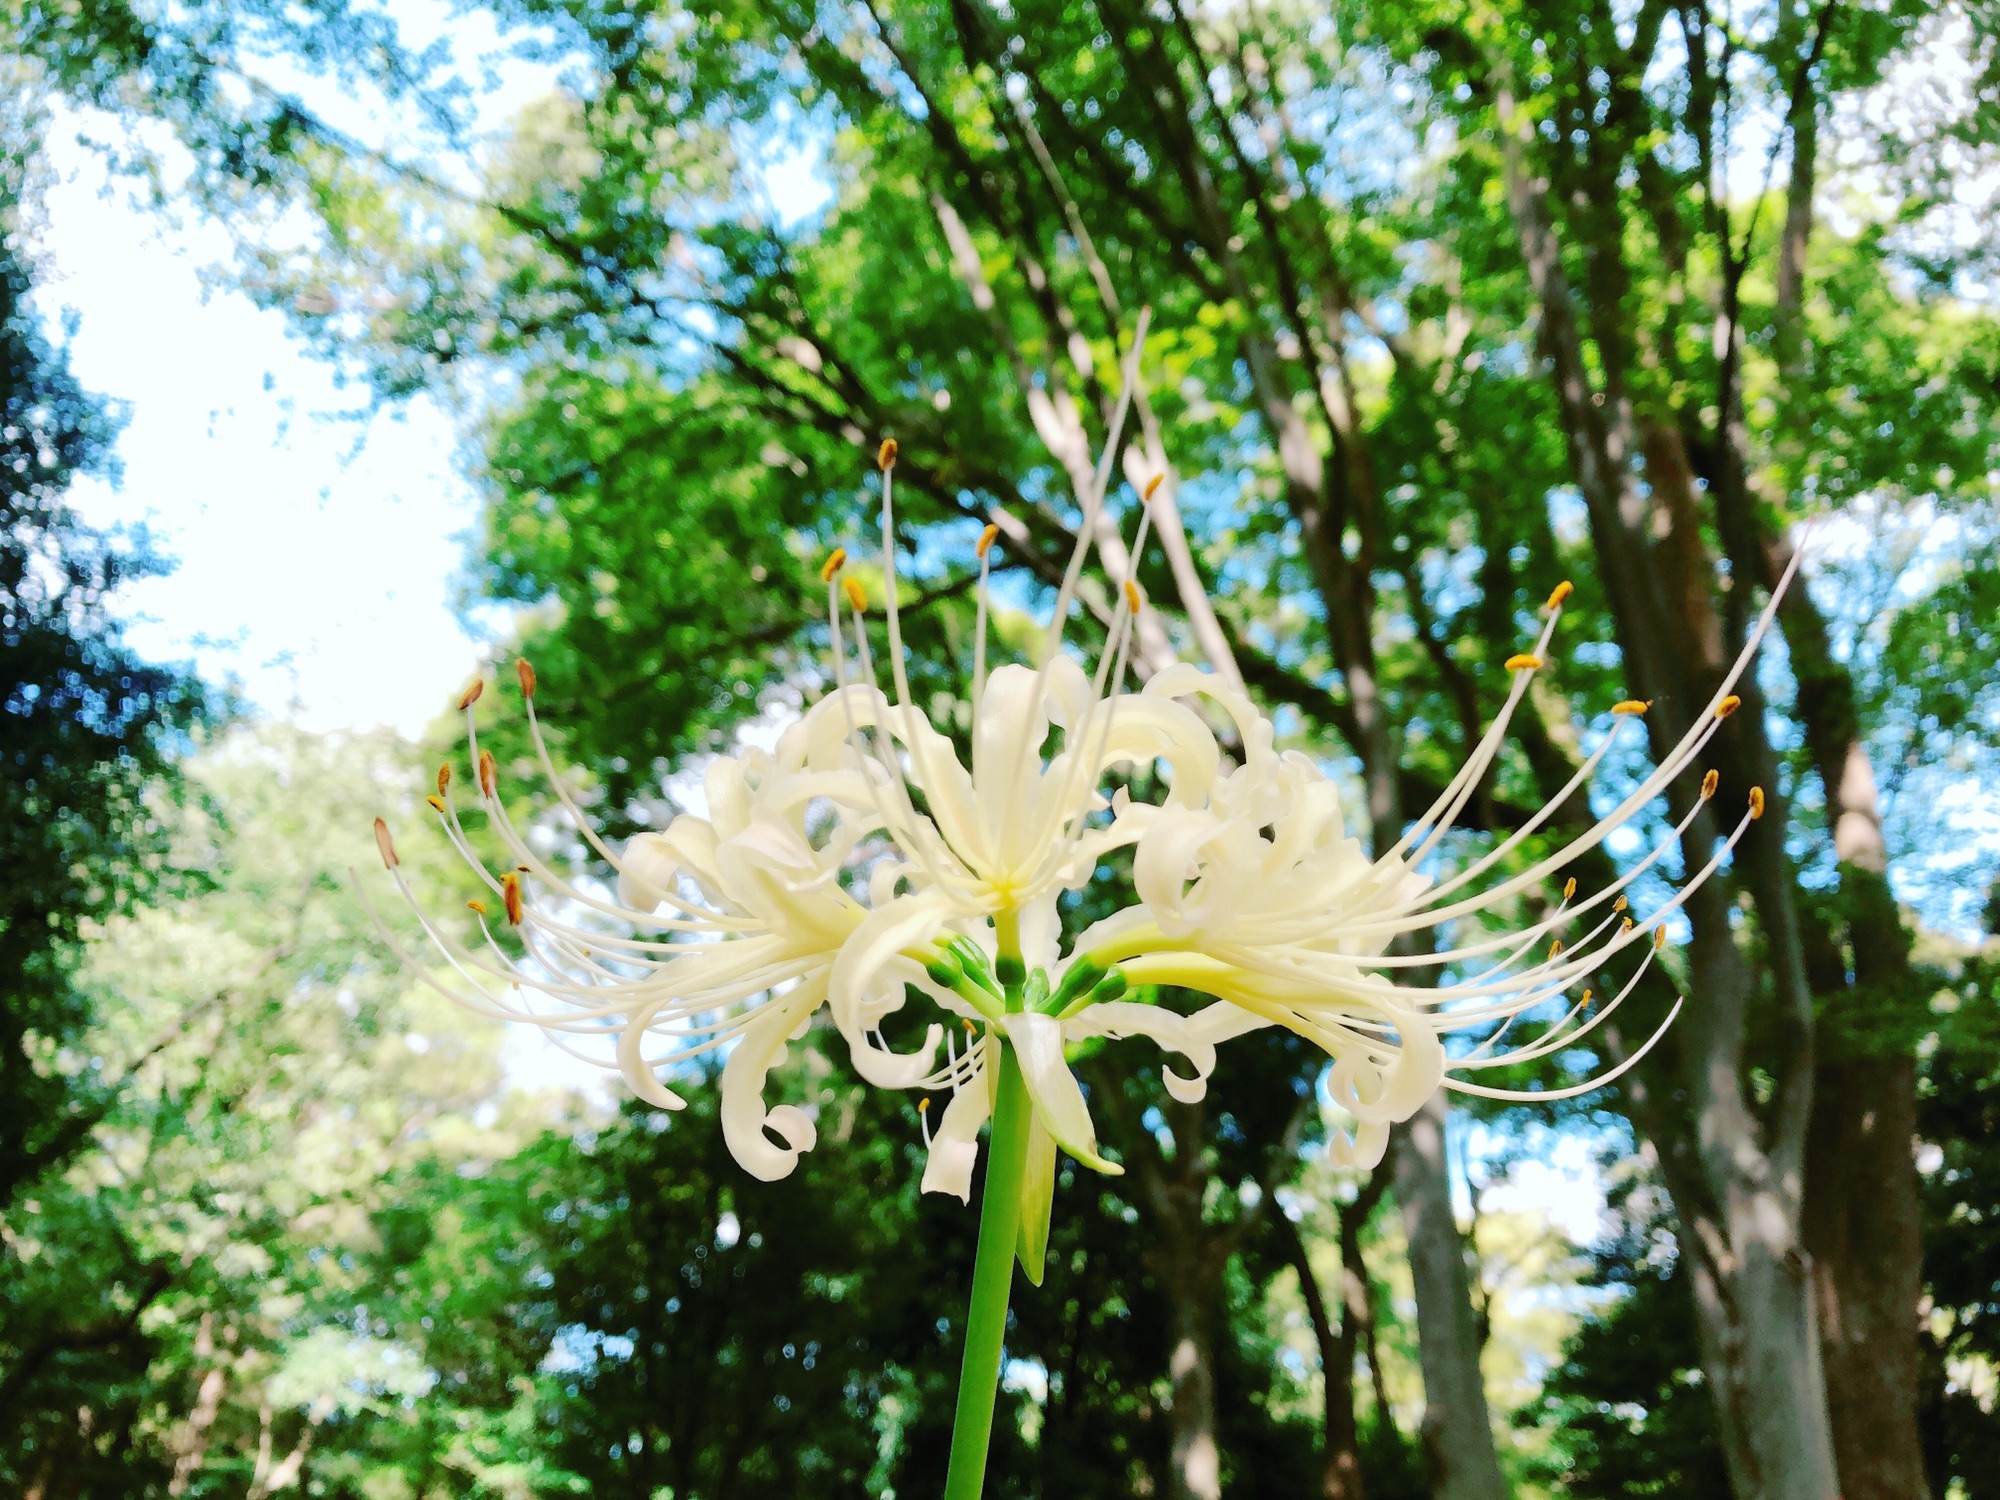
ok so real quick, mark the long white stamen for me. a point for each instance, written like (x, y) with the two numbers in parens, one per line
(979, 628)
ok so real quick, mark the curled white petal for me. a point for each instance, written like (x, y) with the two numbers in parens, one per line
(858, 994)
(744, 1117)
(955, 1143)
(639, 1078)
(1058, 1100)
(1122, 1018)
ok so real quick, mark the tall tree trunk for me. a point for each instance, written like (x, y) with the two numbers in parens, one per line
(1862, 1217)
(1862, 1224)
(1186, 1259)
(1735, 1177)
(1340, 1443)
(192, 1440)
(1196, 1471)
(1458, 1429)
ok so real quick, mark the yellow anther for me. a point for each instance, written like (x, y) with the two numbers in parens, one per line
(1728, 706)
(885, 456)
(510, 892)
(438, 803)
(1555, 946)
(385, 844)
(856, 594)
(1659, 938)
(970, 1029)
(1756, 802)
(1586, 998)
(489, 775)
(1626, 926)
(1561, 592)
(472, 693)
(444, 779)
(1569, 888)
(1153, 484)
(1632, 706)
(835, 560)
(1132, 596)
(526, 673)
(478, 906)
(1620, 904)
(1708, 783)
(1524, 662)
(986, 540)
(923, 1105)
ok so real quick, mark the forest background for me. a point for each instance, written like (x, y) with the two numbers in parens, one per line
(1448, 303)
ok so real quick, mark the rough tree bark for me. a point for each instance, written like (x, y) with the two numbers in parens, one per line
(1736, 1178)
(1458, 1431)
(1187, 1261)
(1339, 1340)
(1862, 1217)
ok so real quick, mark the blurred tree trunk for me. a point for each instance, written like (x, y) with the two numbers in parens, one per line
(1185, 1263)
(1340, 1445)
(1458, 1430)
(1190, 1251)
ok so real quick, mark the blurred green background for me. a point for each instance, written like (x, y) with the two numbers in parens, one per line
(1448, 304)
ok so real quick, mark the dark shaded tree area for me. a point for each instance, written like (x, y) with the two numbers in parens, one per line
(88, 730)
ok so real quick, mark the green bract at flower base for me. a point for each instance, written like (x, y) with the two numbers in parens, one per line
(731, 930)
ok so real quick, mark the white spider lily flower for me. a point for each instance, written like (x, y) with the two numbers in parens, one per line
(722, 934)
(1250, 889)
(730, 930)
(1259, 897)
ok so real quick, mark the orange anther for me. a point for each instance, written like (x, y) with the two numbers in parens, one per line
(478, 906)
(1569, 888)
(1756, 802)
(526, 673)
(1132, 596)
(472, 693)
(885, 456)
(385, 844)
(1153, 484)
(835, 560)
(444, 778)
(986, 540)
(510, 892)
(1708, 784)
(1561, 592)
(489, 774)
(1728, 706)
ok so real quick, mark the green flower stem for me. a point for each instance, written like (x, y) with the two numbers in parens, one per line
(992, 1280)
